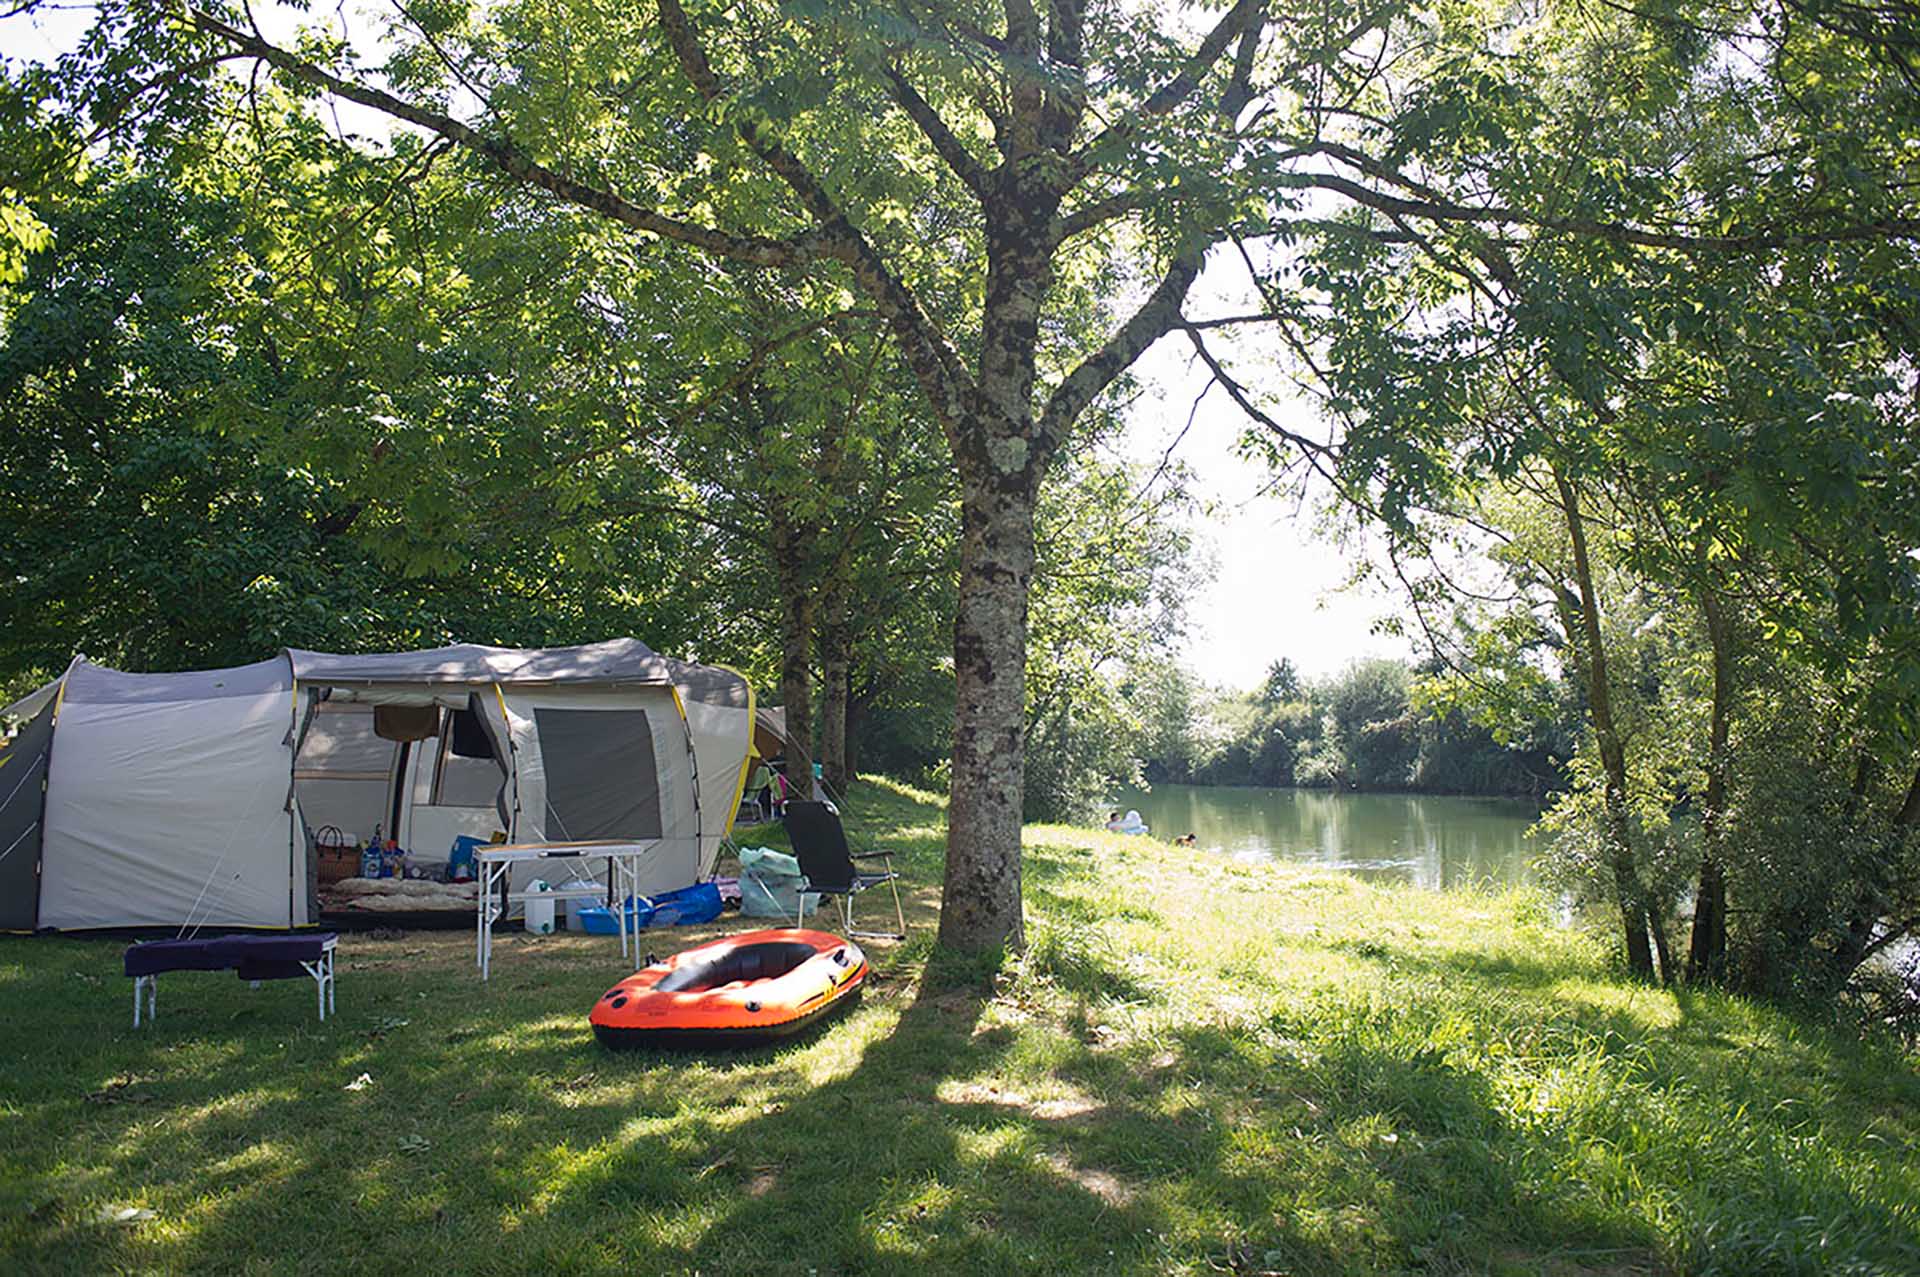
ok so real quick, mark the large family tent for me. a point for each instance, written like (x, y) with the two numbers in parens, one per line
(195, 799)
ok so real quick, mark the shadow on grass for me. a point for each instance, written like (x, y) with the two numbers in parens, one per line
(1068, 1125)
(492, 1125)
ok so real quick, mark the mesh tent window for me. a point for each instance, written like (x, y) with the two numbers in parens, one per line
(601, 778)
(344, 772)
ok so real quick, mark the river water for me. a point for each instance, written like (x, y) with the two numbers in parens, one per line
(1433, 842)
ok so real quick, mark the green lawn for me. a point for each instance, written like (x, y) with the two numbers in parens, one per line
(1199, 1066)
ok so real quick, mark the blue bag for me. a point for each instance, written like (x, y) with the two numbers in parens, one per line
(682, 908)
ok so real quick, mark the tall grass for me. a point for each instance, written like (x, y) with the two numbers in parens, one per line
(1197, 1065)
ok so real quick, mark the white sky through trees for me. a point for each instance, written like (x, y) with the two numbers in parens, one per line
(1277, 589)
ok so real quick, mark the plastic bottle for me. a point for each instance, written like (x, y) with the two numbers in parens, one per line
(539, 913)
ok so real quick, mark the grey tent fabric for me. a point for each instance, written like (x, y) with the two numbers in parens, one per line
(166, 800)
(90, 684)
(178, 800)
(23, 773)
(622, 660)
(601, 777)
(769, 730)
(33, 702)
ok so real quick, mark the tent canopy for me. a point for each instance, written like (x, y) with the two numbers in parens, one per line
(622, 660)
(178, 798)
(769, 731)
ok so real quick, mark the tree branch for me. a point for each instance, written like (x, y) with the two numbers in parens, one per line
(1156, 317)
(951, 148)
(752, 250)
(1067, 91)
(1443, 210)
(1175, 91)
(1090, 216)
(1240, 89)
(1312, 448)
(936, 364)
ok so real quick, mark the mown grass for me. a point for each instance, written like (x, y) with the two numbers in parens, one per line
(1198, 1065)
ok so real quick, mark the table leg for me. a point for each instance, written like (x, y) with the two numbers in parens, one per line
(617, 872)
(484, 944)
(633, 889)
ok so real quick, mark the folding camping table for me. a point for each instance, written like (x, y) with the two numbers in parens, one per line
(255, 958)
(493, 863)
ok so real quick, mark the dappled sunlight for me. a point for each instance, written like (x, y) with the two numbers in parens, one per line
(1052, 1104)
(1109, 1188)
(1275, 1069)
(1642, 1009)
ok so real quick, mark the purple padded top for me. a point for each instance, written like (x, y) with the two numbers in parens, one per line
(217, 953)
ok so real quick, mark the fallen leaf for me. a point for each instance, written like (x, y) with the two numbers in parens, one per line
(111, 1214)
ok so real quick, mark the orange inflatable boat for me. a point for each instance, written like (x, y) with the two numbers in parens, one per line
(738, 991)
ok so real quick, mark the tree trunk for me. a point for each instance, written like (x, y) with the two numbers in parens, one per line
(1707, 956)
(856, 716)
(796, 650)
(1657, 927)
(1635, 913)
(1001, 455)
(1869, 909)
(980, 905)
(836, 661)
(1707, 952)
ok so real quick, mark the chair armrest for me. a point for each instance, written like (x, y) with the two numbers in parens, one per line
(870, 855)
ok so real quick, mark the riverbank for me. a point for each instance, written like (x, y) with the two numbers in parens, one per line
(1200, 1065)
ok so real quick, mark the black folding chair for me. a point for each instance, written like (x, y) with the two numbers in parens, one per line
(827, 868)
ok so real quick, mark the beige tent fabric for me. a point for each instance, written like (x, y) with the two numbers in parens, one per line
(172, 800)
(167, 803)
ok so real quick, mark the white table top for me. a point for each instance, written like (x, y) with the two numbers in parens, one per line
(509, 852)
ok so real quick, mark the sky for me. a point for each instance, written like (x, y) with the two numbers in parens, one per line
(1276, 589)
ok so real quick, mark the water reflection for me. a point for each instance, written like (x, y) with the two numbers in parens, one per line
(1432, 842)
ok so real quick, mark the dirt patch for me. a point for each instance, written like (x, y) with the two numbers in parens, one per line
(1105, 1185)
(1057, 1109)
(1592, 1263)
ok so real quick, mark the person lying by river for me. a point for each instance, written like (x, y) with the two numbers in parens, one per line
(1127, 824)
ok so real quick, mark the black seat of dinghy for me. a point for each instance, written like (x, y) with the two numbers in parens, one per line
(767, 960)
